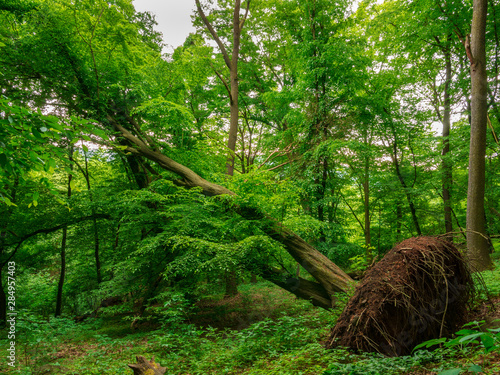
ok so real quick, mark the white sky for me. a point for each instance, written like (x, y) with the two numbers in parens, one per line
(173, 17)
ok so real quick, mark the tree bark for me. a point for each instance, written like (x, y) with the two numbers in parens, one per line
(86, 175)
(366, 204)
(233, 100)
(368, 238)
(447, 177)
(477, 240)
(231, 281)
(406, 190)
(232, 64)
(62, 275)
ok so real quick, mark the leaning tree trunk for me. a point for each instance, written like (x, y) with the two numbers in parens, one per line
(330, 279)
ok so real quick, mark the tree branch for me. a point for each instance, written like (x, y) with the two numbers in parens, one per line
(214, 34)
(21, 239)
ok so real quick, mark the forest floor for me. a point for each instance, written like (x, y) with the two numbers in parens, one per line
(263, 330)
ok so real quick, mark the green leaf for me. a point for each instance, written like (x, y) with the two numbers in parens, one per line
(453, 371)
(72, 184)
(85, 148)
(36, 133)
(475, 368)
(8, 202)
(33, 156)
(429, 343)
(471, 337)
(465, 332)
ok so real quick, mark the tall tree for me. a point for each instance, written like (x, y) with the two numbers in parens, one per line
(446, 166)
(477, 238)
(62, 274)
(231, 62)
(233, 93)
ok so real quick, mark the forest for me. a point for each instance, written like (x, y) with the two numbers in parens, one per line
(301, 187)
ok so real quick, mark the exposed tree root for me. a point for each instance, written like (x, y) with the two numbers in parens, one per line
(422, 289)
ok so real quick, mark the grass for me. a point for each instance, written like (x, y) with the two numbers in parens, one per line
(263, 331)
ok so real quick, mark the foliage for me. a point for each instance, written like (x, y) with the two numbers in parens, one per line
(374, 364)
(473, 333)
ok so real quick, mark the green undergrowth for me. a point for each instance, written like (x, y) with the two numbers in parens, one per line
(492, 277)
(269, 332)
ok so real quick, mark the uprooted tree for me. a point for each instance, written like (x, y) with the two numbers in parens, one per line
(420, 290)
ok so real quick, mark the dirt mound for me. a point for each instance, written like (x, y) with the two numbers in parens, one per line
(421, 289)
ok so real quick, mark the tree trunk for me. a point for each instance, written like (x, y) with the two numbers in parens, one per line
(477, 240)
(62, 275)
(446, 161)
(406, 190)
(366, 204)
(150, 293)
(231, 281)
(96, 230)
(96, 251)
(233, 100)
(138, 172)
(232, 64)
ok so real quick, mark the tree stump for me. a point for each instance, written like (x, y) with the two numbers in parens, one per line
(145, 367)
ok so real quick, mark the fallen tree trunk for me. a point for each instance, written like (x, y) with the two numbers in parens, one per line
(330, 278)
